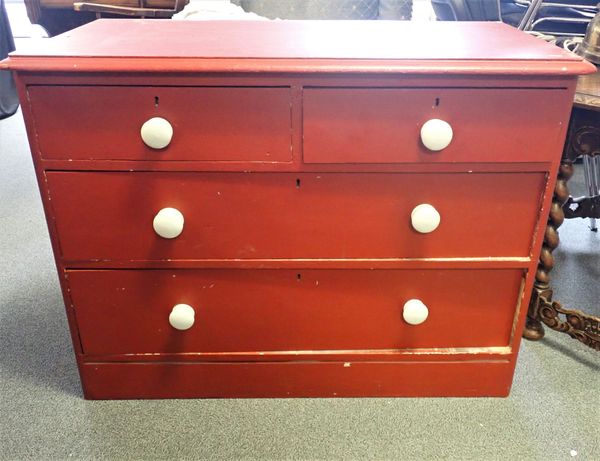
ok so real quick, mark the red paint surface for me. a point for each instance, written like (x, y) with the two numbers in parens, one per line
(315, 46)
(382, 125)
(122, 312)
(344, 211)
(484, 378)
(104, 122)
(243, 215)
(299, 39)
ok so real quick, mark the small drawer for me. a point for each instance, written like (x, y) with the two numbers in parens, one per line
(162, 123)
(137, 311)
(166, 216)
(389, 125)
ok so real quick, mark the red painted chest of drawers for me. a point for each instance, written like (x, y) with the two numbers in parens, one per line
(273, 209)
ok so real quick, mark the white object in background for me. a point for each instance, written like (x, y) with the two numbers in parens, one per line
(415, 312)
(157, 133)
(168, 223)
(425, 218)
(182, 317)
(436, 134)
(215, 10)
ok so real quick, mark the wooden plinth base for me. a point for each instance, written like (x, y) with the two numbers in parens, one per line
(292, 379)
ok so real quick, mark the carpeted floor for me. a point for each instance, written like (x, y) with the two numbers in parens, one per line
(553, 412)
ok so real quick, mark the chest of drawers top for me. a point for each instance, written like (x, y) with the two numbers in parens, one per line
(298, 46)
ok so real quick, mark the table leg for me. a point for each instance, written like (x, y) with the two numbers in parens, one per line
(542, 292)
(542, 310)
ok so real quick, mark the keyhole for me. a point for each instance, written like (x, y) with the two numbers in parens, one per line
(156, 101)
(437, 102)
(298, 277)
(298, 183)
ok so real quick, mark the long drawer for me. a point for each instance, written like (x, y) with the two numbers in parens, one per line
(383, 125)
(128, 311)
(110, 215)
(207, 123)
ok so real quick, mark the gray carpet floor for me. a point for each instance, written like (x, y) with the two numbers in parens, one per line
(553, 412)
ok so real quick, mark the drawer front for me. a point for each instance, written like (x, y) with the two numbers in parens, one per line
(128, 311)
(243, 124)
(111, 216)
(377, 125)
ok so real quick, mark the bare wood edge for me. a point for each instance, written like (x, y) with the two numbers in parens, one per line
(277, 65)
(517, 316)
(205, 264)
(345, 355)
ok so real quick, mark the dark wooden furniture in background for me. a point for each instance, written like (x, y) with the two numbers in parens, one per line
(583, 139)
(302, 208)
(9, 102)
(58, 16)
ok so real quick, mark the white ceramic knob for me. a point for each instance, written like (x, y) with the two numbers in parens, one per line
(168, 223)
(436, 134)
(425, 218)
(415, 312)
(157, 133)
(182, 317)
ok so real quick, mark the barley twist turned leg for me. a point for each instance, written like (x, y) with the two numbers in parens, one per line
(541, 288)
